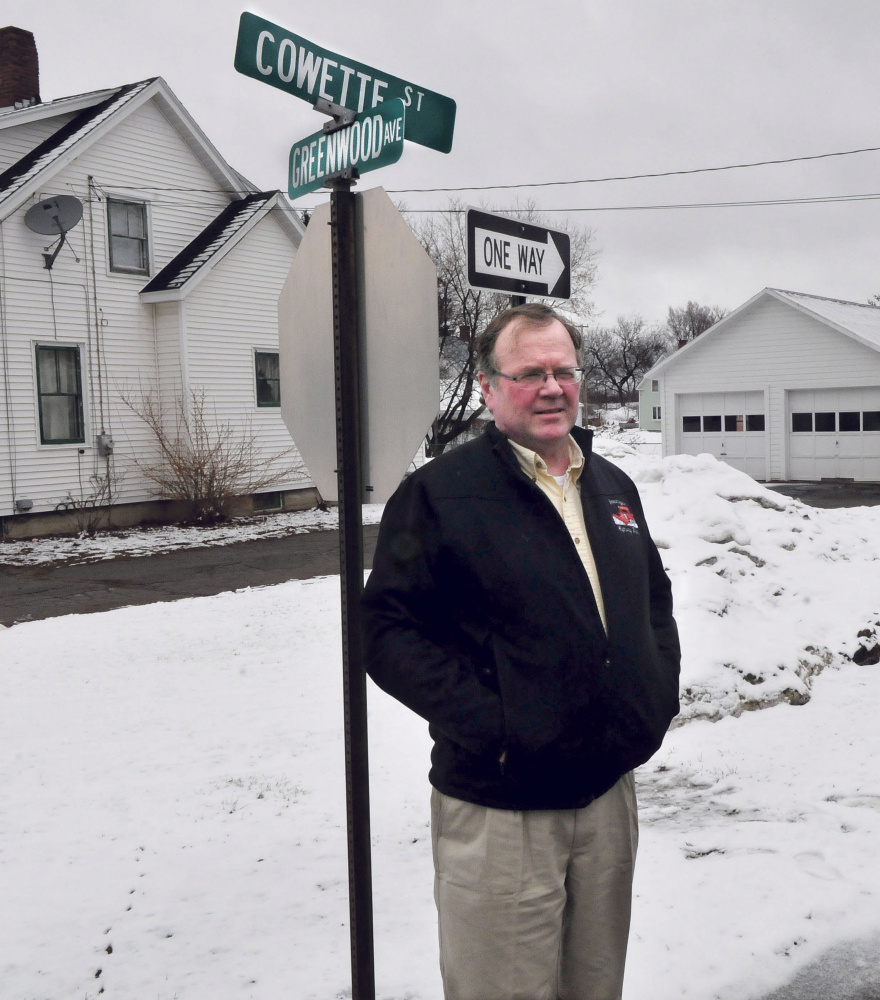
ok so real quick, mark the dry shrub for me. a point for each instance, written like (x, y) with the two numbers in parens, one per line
(204, 462)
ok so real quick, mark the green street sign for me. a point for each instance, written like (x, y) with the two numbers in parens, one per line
(268, 52)
(374, 139)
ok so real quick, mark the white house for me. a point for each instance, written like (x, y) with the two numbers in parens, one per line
(167, 282)
(787, 387)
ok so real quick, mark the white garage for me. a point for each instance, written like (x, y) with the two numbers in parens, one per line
(787, 387)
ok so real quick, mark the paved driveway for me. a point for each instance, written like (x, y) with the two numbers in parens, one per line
(830, 493)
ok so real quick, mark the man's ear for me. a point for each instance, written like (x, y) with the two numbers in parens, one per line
(486, 388)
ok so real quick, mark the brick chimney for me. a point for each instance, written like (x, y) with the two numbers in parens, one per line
(19, 68)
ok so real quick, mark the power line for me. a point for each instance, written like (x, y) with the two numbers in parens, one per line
(636, 177)
(754, 203)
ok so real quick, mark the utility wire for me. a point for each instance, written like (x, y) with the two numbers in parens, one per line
(755, 203)
(635, 177)
(541, 184)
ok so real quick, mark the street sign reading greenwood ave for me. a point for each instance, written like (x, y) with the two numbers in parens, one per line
(268, 52)
(374, 139)
(517, 257)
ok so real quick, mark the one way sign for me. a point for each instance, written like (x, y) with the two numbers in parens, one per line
(518, 257)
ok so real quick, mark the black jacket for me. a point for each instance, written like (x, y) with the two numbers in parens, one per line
(479, 616)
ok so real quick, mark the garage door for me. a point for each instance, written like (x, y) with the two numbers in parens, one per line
(728, 425)
(834, 434)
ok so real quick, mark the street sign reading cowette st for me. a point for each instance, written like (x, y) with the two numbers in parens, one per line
(374, 139)
(511, 256)
(268, 52)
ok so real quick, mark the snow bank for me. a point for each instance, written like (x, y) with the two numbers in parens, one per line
(768, 591)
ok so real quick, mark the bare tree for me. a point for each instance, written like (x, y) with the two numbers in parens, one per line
(687, 323)
(617, 358)
(204, 462)
(464, 311)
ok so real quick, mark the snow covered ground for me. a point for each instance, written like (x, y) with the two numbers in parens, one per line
(151, 541)
(173, 817)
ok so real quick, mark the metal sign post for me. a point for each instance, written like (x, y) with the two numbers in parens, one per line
(346, 348)
(384, 334)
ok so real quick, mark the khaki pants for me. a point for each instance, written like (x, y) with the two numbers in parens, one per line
(534, 905)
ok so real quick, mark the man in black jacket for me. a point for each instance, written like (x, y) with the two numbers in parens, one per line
(518, 603)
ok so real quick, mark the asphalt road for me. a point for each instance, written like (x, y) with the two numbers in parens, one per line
(28, 593)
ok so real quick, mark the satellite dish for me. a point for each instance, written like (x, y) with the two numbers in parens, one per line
(54, 216)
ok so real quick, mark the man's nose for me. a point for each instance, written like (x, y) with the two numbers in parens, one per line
(550, 385)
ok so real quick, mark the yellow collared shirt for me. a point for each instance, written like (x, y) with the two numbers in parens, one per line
(566, 499)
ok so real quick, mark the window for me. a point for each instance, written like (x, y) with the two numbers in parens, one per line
(754, 421)
(802, 422)
(127, 222)
(655, 385)
(871, 420)
(850, 421)
(655, 412)
(712, 423)
(734, 422)
(690, 425)
(268, 501)
(826, 421)
(59, 390)
(268, 381)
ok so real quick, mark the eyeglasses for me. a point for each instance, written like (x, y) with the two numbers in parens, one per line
(562, 376)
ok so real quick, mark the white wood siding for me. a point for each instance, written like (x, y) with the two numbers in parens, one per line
(18, 140)
(771, 348)
(124, 342)
(231, 314)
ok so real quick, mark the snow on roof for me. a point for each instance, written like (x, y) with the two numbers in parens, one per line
(857, 318)
(210, 241)
(854, 319)
(12, 116)
(29, 166)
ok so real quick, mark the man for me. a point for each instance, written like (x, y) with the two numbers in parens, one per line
(518, 604)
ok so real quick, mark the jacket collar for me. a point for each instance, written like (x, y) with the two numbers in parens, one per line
(503, 450)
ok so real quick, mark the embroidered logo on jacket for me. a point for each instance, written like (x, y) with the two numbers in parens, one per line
(623, 517)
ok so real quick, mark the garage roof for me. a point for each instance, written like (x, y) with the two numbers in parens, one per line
(849, 317)
(857, 320)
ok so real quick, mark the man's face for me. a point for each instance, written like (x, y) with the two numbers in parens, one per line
(539, 417)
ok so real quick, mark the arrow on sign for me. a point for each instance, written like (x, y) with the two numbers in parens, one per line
(511, 256)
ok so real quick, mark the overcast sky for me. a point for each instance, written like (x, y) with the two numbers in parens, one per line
(560, 91)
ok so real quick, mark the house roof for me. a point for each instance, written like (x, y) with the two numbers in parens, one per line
(94, 114)
(38, 159)
(218, 237)
(856, 320)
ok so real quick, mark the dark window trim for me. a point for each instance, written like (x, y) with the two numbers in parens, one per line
(270, 382)
(78, 395)
(756, 418)
(120, 268)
